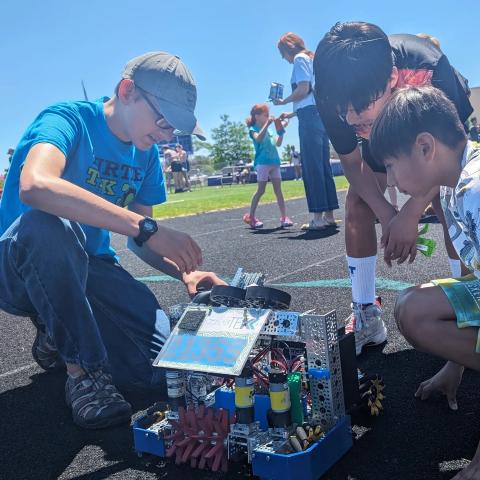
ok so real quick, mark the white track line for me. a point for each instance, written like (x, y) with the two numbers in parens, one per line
(18, 370)
(316, 264)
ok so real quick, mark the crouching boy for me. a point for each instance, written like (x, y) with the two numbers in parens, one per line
(423, 145)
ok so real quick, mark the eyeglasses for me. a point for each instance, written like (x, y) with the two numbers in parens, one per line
(161, 121)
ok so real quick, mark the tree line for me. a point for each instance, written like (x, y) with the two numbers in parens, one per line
(230, 145)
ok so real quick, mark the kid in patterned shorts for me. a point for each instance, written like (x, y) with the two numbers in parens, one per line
(420, 139)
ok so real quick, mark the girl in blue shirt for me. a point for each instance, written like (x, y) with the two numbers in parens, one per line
(267, 162)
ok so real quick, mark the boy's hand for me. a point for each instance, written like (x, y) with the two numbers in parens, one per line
(399, 239)
(446, 381)
(278, 101)
(205, 280)
(178, 247)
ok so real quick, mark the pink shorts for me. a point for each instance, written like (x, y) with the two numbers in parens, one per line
(265, 172)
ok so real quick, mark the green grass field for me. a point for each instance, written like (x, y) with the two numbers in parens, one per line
(209, 199)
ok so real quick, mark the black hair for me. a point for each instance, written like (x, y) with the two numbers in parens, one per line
(352, 65)
(409, 112)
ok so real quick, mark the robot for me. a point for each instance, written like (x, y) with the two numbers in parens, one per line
(250, 381)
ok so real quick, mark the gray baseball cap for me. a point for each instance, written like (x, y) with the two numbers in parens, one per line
(171, 87)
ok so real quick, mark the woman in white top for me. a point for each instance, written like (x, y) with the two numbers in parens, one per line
(314, 145)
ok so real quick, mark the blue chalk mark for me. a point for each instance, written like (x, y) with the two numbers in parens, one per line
(157, 278)
(381, 283)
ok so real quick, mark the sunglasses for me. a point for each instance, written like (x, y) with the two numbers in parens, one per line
(161, 121)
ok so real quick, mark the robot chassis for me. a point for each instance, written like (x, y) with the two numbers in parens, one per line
(249, 380)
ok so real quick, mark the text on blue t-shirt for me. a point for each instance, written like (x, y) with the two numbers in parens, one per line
(96, 160)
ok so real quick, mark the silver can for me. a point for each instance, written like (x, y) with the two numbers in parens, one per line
(276, 91)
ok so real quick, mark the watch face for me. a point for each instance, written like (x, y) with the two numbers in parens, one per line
(149, 226)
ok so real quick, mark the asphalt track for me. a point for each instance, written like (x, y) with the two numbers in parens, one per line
(411, 440)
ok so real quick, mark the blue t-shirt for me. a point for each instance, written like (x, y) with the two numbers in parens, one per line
(96, 160)
(266, 152)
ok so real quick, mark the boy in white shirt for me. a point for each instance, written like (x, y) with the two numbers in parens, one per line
(422, 142)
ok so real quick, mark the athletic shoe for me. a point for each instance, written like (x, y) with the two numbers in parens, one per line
(95, 401)
(254, 223)
(44, 351)
(314, 225)
(285, 222)
(366, 321)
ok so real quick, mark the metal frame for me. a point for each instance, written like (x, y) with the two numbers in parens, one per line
(323, 352)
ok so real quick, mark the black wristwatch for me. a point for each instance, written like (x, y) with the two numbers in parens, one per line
(148, 226)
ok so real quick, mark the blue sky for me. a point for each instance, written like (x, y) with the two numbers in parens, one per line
(47, 47)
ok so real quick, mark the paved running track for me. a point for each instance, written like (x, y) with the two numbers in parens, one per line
(411, 440)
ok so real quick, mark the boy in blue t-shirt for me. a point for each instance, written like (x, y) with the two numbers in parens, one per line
(422, 143)
(75, 169)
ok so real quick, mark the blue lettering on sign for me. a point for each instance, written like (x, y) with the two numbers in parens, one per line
(183, 348)
(215, 351)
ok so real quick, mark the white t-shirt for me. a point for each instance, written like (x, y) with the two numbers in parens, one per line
(461, 206)
(303, 72)
(295, 158)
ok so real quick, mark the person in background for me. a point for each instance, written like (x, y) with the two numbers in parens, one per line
(182, 156)
(296, 162)
(176, 169)
(10, 153)
(266, 163)
(167, 171)
(244, 174)
(474, 130)
(317, 173)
